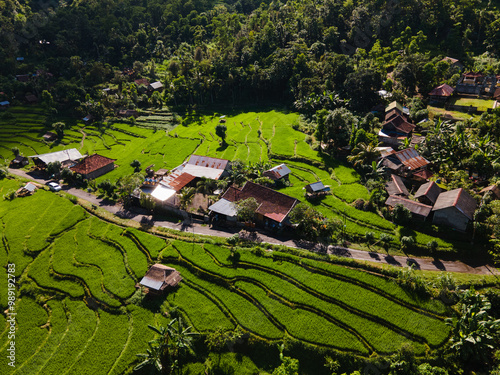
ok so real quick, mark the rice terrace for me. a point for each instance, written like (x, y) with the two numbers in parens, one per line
(79, 310)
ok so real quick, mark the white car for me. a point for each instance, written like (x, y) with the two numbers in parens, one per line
(54, 186)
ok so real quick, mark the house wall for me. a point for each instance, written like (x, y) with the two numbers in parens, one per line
(451, 217)
(100, 171)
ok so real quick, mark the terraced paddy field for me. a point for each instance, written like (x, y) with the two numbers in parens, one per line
(251, 137)
(79, 311)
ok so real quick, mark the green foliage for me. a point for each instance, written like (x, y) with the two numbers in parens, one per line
(401, 215)
(246, 209)
(475, 332)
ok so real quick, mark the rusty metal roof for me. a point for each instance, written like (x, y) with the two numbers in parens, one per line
(410, 158)
(431, 190)
(396, 186)
(416, 208)
(459, 199)
(205, 161)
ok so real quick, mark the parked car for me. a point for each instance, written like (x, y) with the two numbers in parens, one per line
(54, 186)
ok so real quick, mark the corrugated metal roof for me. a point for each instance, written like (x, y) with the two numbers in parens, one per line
(151, 283)
(410, 158)
(278, 172)
(224, 207)
(201, 171)
(272, 204)
(415, 208)
(162, 193)
(156, 85)
(396, 186)
(317, 186)
(205, 161)
(458, 198)
(178, 180)
(30, 187)
(430, 190)
(61, 156)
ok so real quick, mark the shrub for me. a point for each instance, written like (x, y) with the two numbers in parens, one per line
(233, 240)
(10, 195)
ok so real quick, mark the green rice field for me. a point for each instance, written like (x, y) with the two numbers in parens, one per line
(79, 311)
(251, 137)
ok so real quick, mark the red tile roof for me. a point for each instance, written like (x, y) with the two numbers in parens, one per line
(443, 90)
(91, 164)
(272, 204)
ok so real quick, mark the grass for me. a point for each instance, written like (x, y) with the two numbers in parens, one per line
(481, 104)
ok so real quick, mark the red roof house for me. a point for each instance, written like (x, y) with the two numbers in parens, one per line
(273, 205)
(442, 91)
(94, 166)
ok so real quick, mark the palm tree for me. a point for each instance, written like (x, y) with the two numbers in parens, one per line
(206, 186)
(363, 154)
(152, 357)
(165, 351)
(186, 197)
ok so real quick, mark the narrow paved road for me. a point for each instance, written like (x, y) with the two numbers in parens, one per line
(199, 228)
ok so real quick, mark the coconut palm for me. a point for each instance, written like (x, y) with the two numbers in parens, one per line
(363, 154)
(186, 197)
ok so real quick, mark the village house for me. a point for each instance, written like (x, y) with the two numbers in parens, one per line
(94, 166)
(493, 189)
(19, 162)
(160, 278)
(49, 136)
(396, 127)
(407, 163)
(67, 158)
(395, 186)
(155, 86)
(187, 174)
(26, 190)
(477, 84)
(453, 62)
(128, 113)
(207, 167)
(418, 210)
(428, 193)
(280, 172)
(273, 210)
(317, 188)
(454, 208)
(441, 93)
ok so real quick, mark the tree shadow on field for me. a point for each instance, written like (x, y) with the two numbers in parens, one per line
(222, 147)
(153, 303)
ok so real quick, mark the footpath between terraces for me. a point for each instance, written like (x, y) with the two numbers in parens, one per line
(426, 264)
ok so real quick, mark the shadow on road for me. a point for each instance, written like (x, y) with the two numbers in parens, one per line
(413, 263)
(391, 260)
(438, 264)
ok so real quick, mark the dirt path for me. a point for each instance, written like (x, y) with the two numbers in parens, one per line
(426, 264)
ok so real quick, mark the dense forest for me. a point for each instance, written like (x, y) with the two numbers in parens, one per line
(311, 53)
